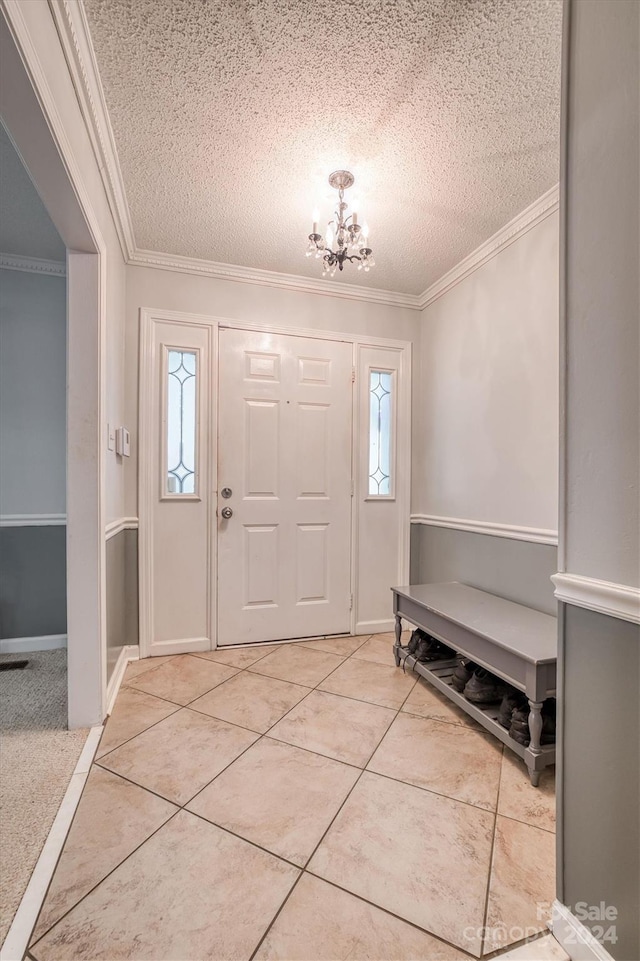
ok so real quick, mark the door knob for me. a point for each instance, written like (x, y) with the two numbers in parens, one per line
(226, 513)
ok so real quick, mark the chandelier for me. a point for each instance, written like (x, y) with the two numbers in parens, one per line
(351, 240)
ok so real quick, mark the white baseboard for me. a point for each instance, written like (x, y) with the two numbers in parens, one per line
(574, 937)
(23, 645)
(19, 934)
(375, 627)
(186, 645)
(131, 652)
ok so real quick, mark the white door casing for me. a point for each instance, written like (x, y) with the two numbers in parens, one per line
(178, 612)
(175, 555)
(284, 452)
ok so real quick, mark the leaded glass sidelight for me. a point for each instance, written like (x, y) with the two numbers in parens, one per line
(380, 439)
(181, 421)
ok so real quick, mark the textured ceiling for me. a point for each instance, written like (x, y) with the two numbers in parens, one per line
(229, 115)
(26, 229)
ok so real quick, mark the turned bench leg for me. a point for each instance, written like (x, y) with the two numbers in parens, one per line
(396, 646)
(535, 730)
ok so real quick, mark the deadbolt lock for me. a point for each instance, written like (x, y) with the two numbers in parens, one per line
(226, 492)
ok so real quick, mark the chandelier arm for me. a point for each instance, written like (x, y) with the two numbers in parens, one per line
(346, 230)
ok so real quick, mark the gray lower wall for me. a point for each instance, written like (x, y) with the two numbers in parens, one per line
(600, 792)
(122, 594)
(517, 570)
(33, 581)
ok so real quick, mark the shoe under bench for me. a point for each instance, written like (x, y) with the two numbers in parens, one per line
(514, 642)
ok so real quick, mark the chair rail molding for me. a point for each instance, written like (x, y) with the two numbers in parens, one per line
(604, 597)
(119, 525)
(33, 520)
(535, 535)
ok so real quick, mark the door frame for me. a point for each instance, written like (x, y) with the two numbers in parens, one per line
(39, 134)
(147, 476)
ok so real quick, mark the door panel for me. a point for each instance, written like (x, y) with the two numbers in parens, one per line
(284, 449)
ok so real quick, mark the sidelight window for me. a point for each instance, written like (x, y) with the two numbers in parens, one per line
(181, 421)
(380, 433)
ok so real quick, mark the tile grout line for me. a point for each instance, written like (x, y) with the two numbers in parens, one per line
(106, 754)
(16, 942)
(108, 874)
(276, 916)
(491, 856)
(183, 806)
(267, 734)
(391, 914)
(240, 837)
(330, 825)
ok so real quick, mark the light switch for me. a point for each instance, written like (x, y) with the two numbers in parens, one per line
(123, 442)
(111, 437)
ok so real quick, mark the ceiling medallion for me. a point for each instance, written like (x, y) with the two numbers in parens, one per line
(351, 240)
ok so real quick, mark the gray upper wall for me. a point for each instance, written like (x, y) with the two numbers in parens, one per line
(33, 392)
(514, 569)
(602, 464)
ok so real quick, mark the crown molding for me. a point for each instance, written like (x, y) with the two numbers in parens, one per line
(534, 214)
(605, 597)
(270, 278)
(534, 535)
(33, 265)
(73, 29)
(75, 37)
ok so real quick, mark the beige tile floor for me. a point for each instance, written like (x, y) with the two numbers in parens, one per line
(301, 802)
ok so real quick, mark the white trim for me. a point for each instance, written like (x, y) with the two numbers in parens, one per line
(147, 472)
(183, 645)
(271, 278)
(534, 214)
(181, 317)
(75, 37)
(33, 265)
(574, 937)
(17, 940)
(535, 535)
(33, 520)
(119, 525)
(24, 645)
(86, 578)
(131, 652)
(615, 600)
(375, 627)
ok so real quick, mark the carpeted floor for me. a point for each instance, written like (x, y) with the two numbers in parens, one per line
(37, 758)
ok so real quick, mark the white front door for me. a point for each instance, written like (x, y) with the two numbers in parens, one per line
(284, 462)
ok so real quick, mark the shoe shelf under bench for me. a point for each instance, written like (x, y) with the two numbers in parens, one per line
(514, 642)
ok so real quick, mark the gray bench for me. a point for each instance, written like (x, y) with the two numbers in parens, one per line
(514, 642)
